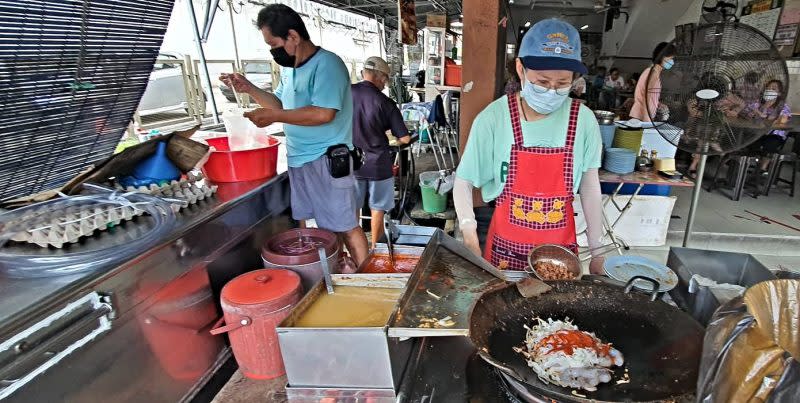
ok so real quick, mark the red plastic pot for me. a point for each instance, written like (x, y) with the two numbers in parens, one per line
(254, 304)
(175, 325)
(225, 165)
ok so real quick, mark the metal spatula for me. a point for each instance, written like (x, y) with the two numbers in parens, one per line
(532, 287)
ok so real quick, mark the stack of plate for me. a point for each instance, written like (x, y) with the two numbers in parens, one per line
(619, 160)
(607, 133)
(630, 138)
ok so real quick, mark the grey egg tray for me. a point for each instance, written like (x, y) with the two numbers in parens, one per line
(190, 191)
(70, 225)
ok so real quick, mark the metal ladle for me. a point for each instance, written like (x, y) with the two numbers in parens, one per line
(326, 271)
(387, 224)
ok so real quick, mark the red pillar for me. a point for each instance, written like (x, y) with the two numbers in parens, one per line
(483, 60)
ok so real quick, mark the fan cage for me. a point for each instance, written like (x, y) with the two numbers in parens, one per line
(733, 60)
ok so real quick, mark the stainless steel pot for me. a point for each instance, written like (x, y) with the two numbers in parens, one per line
(604, 117)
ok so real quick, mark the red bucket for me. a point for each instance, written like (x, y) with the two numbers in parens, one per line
(240, 166)
(255, 303)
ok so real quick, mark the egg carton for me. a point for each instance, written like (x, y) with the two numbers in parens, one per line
(190, 191)
(69, 226)
(59, 228)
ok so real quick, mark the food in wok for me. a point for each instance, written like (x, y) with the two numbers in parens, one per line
(562, 354)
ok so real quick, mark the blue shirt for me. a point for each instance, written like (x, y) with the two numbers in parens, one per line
(322, 81)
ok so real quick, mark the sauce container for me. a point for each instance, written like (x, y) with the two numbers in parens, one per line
(296, 250)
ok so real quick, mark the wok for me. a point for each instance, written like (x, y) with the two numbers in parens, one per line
(662, 345)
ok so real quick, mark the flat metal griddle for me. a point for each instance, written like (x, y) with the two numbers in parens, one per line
(447, 283)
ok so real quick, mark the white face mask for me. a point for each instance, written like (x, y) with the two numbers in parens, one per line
(770, 95)
(543, 100)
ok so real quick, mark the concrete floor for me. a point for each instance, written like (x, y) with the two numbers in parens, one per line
(716, 212)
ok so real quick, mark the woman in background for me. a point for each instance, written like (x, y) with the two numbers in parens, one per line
(648, 90)
(730, 104)
(771, 106)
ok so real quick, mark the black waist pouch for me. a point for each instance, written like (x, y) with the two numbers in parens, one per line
(339, 157)
(338, 160)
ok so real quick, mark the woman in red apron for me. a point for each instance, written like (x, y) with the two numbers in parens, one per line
(533, 196)
(533, 212)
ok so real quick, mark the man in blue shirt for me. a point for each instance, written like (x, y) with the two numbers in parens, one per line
(315, 105)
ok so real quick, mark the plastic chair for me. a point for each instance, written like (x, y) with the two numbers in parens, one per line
(737, 173)
(776, 167)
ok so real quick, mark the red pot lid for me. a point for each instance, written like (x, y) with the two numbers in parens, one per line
(299, 246)
(270, 287)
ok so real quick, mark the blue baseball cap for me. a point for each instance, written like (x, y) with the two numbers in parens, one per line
(552, 44)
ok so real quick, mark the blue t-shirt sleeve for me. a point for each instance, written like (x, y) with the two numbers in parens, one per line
(331, 83)
(279, 91)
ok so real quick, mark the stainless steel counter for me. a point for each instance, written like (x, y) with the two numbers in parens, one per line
(211, 242)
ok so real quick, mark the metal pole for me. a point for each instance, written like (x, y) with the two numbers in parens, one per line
(206, 76)
(238, 64)
(380, 37)
(698, 188)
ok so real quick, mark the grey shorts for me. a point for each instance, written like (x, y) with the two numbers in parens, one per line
(329, 201)
(381, 193)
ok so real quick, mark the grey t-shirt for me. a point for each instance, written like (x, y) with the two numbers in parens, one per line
(373, 114)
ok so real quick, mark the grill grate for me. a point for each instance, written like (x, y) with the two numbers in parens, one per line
(72, 73)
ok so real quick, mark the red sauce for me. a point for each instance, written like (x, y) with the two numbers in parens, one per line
(568, 340)
(382, 264)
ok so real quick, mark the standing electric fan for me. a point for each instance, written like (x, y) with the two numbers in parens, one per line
(728, 64)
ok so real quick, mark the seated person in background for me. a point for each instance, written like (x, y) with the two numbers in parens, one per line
(771, 106)
(578, 90)
(599, 78)
(731, 105)
(611, 85)
(614, 80)
(749, 90)
(630, 83)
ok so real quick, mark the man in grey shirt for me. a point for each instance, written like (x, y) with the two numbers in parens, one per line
(373, 114)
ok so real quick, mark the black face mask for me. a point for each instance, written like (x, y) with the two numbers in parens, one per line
(282, 57)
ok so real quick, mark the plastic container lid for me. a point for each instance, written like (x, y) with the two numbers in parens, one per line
(273, 288)
(299, 246)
